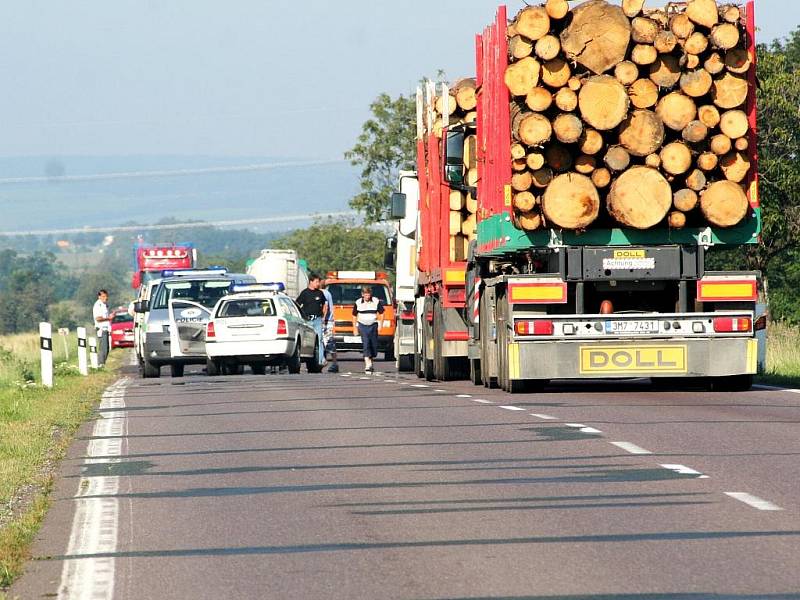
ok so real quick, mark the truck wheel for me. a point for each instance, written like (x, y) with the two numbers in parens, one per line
(176, 370)
(417, 357)
(405, 363)
(427, 335)
(293, 363)
(259, 369)
(475, 371)
(312, 364)
(389, 353)
(212, 367)
(732, 383)
(149, 370)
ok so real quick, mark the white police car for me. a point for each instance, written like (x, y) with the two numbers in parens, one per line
(258, 325)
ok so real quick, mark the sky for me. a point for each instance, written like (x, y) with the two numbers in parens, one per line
(239, 78)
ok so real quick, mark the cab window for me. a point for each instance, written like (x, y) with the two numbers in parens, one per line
(206, 292)
(251, 307)
(348, 293)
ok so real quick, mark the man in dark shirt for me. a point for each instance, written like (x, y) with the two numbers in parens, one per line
(313, 307)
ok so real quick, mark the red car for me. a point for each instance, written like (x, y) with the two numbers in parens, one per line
(122, 330)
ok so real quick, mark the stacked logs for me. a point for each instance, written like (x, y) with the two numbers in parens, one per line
(642, 109)
(460, 108)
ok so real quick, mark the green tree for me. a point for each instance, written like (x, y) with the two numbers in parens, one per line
(330, 245)
(386, 145)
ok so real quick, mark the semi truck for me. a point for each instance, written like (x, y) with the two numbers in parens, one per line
(527, 307)
(404, 262)
(280, 266)
(150, 259)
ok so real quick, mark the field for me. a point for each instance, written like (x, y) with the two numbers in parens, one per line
(36, 426)
(783, 354)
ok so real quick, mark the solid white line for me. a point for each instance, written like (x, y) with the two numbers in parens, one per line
(576, 425)
(545, 417)
(632, 448)
(684, 470)
(364, 378)
(95, 525)
(776, 388)
(441, 391)
(753, 501)
(482, 401)
(591, 430)
(419, 385)
(463, 396)
(507, 407)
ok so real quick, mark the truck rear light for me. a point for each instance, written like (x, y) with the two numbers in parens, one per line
(733, 324)
(210, 333)
(283, 328)
(407, 315)
(456, 336)
(537, 327)
(456, 295)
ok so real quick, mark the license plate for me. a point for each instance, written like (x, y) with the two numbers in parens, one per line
(352, 339)
(633, 360)
(631, 327)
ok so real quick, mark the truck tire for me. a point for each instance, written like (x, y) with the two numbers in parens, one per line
(212, 367)
(259, 369)
(405, 363)
(176, 370)
(149, 370)
(427, 335)
(475, 371)
(389, 353)
(417, 355)
(732, 383)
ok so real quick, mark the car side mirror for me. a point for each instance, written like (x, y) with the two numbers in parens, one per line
(141, 306)
(398, 209)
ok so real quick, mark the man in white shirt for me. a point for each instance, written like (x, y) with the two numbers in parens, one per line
(102, 322)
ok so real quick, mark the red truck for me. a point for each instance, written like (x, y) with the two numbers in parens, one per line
(150, 259)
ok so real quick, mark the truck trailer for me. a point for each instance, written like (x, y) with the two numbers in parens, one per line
(532, 303)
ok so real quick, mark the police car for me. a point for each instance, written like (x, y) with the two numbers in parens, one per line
(259, 325)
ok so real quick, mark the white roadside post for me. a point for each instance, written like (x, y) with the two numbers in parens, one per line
(64, 332)
(46, 345)
(83, 363)
(93, 353)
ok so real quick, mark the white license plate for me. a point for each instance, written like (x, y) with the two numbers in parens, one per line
(613, 327)
(352, 339)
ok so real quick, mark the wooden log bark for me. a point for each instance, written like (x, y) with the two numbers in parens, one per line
(571, 201)
(566, 99)
(532, 129)
(676, 158)
(524, 201)
(603, 102)
(533, 22)
(459, 246)
(709, 115)
(471, 152)
(535, 160)
(665, 41)
(707, 161)
(548, 47)
(542, 177)
(681, 25)
(591, 141)
(568, 128)
(644, 30)
(585, 164)
(676, 220)
(724, 36)
(632, 8)
(714, 64)
(556, 73)
(597, 37)
(455, 222)
(676, 110)
(521, 182)
(720, 144)
(724, 204)
(730, 13)
(557, 9)
(735, 166)
(642, 133)
(457, 200)
(626, 72)
(703, 12)
(601, 177)
(468, 225)
(644, 54)
(470, 203)
(695, 43)
(522, 76)
(666, 71)
(520, 47)
(737, 60)
(451, 105)
(539, 99)
(695, 132)
(640, 198)
(660, 17)
(729, 91)
(696, 83)
(643, 93)
(685, 200)
(558, 157)
(617, 158)
(696, 180)
(734, 124)
(530, 221)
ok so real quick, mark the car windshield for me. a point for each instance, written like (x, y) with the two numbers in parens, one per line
(122, 318)
(203, 291)
(348, 293)
(250, 307)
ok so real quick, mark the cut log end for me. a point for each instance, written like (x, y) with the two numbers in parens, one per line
(603, 102)
(533, 22)
(642, 133)
(601, 177)
(734, 124)
(617, 158)
(522, 76)
(539, 99)
(557, 9)
(597, 37)
(591, 141)
(677, 220)
(703, 12)
(548, 47)
(641, 198)
(676, 158)
(676, 110)
(729, 91)
(724, 204)
(685, 200)
(568, 128)
(571, 201)
(626, 72)
(643, 93)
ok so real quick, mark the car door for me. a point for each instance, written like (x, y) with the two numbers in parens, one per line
(298, 324)
(187, 331)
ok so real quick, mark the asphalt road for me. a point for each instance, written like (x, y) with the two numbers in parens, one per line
(360, 487)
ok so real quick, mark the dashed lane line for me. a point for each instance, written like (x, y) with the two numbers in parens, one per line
(510, 407)
(684, 470)
(463, 396)
(544, 417)
(482, 401)
(631, 448)
(754, 501)
(583, 428)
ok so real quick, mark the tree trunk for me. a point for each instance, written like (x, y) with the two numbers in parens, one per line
(642, 133)
(725, 36)
(676, 110)
(603, 102)
(626, 72)
(533, 22)
(696, 180)
(456, 200)
(575, 83)
(676, 158)
(724, 204)
(644, 54)
(557, 9)
(695, 132)
(524, 201)
(640, 198)
(451, 105)
(632, 8)
(601, 177)
(617, 158)
(741, 144)
(597, 37)
(535, 160)
(519, 164)
(558, 157)
(643, 93)
(472, 177)
(571, 201)
(459, 246)
(520, 47)
(539, 99)
(548, 47)
(532, 129)
(729, 91)
(735, 166)
(707, 161)
(702, 12)
(567, 127)
(471, 152)
(522, 76)
(689, 62)
(720, 144)
(709, 115)
(556, 73)
(696, 83)
(666, 71)
(734, 124)
(566, 99)
(685, 200)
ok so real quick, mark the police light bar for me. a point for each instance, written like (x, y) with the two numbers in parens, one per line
(258, 287)
(355, 275)
(193, 272)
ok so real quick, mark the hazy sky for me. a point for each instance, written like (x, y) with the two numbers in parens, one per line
(233, 78)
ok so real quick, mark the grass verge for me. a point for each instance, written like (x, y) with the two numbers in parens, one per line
(783, 356)
(36, 428)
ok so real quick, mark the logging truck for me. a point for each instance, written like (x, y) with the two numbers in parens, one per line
(569, 193)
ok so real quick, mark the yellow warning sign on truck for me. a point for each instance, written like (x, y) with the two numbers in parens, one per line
(637, 360)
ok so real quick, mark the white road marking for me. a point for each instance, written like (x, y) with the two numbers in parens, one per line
(576, 425)
(632, 448)
(753, 501)
(545, 417)
(508, 407)
(95, 525)
(776, 388)
(684, 470)
(583, 428)
(441, 391)
(419, 385)
(482, 401)
(364, 378)
(463, 396)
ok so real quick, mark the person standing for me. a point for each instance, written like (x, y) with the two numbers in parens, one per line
(311, 302)
(365, 317)
(329, 341)
(102, 323)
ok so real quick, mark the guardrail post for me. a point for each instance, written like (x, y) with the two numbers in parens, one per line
(83, 363)
(93, 353)
(46, 351)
